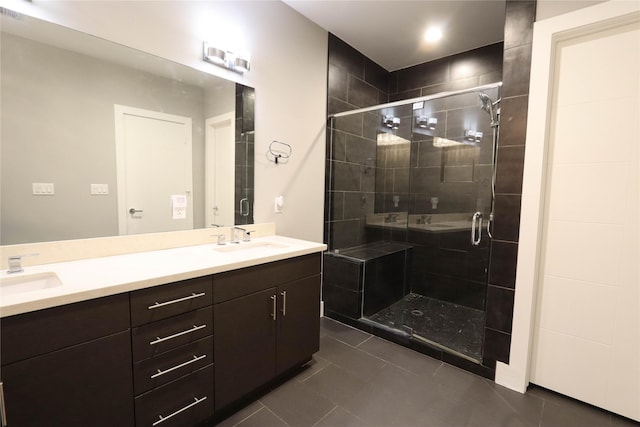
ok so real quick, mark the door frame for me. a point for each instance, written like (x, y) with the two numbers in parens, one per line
(120, 111)
(211, 160)
(546, 37)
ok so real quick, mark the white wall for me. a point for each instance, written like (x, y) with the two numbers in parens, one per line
(288, 71)
(549, 8)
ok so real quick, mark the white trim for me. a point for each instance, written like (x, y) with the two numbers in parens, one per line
(119, 112)
(547, 34)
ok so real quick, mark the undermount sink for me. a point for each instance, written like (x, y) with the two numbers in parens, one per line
(12, 285)
(250, 247)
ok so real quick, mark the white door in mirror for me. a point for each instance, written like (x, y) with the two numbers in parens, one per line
(158, 192)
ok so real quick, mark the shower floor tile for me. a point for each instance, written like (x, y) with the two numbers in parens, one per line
(453, 326)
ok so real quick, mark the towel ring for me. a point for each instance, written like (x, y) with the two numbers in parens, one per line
(279, 151)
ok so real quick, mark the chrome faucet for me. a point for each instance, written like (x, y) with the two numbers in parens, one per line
(424, 219)
(392, 217)
(246, 235)
(15, 265)
(221, 238)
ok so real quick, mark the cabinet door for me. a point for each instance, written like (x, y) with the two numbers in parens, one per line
(298, 322)
(245, 345)
(85, 385)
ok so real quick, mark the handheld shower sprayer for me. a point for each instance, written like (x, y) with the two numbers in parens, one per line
(488, 106)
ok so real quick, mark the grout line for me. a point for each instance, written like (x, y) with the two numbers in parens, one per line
(318, 371)
(326, 415)
(438, 368)
(544, 403)
(250, 415)
(364, 341)
(514, 410)
(276, 415)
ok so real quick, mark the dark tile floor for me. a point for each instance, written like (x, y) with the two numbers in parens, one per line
(451, 325)
(360, 380)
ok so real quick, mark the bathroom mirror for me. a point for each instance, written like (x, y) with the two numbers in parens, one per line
(98, 139)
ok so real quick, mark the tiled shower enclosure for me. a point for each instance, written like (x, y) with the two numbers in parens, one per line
(405, 181)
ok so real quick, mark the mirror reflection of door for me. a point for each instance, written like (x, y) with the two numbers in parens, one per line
(220, 170)
(156, 195)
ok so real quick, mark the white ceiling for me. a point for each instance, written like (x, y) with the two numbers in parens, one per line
(390, 32)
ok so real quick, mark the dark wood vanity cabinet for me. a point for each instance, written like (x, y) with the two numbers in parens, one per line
(266, 321)
(69, 365)
(163, 356)
(172, 345)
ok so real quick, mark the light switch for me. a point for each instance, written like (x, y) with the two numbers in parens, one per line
(278, 204)
(99, 189)
(43, 189)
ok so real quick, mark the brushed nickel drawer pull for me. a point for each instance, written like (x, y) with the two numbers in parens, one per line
(182, 365)
(194, 403)
(274, 309)
(158, 340)
(3, 409)
(284, 303)
(174, 301)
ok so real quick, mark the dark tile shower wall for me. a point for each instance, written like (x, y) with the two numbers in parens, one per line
(518, 36)
(244, 155)
(354, 82)
(364, 178)
(462, 71)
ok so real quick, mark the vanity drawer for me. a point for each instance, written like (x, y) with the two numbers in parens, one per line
(182, 403)
(248, 280)
(39, 332)
(160, 302)
(158, 337)
(173, 364)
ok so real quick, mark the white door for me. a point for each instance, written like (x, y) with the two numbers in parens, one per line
(587, 330)
(154, 167)
(220, 170)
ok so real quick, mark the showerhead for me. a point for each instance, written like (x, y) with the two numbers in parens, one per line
(487, 105)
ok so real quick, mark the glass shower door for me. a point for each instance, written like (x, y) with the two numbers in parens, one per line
(451, 174)
(408, 201)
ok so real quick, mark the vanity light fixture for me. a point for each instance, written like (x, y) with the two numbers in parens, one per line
(391, 122)
(241, 65)
(224, 58)
(426, 122)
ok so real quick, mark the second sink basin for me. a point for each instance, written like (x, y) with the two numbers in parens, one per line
(12, 285)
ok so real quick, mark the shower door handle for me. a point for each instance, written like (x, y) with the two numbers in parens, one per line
(476, 228)
(244, 202)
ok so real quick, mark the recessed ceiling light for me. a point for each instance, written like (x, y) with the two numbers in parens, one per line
(433, 35)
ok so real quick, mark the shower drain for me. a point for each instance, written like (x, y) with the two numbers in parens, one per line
(417, 313)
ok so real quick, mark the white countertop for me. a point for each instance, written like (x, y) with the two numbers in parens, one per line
(98, 277)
